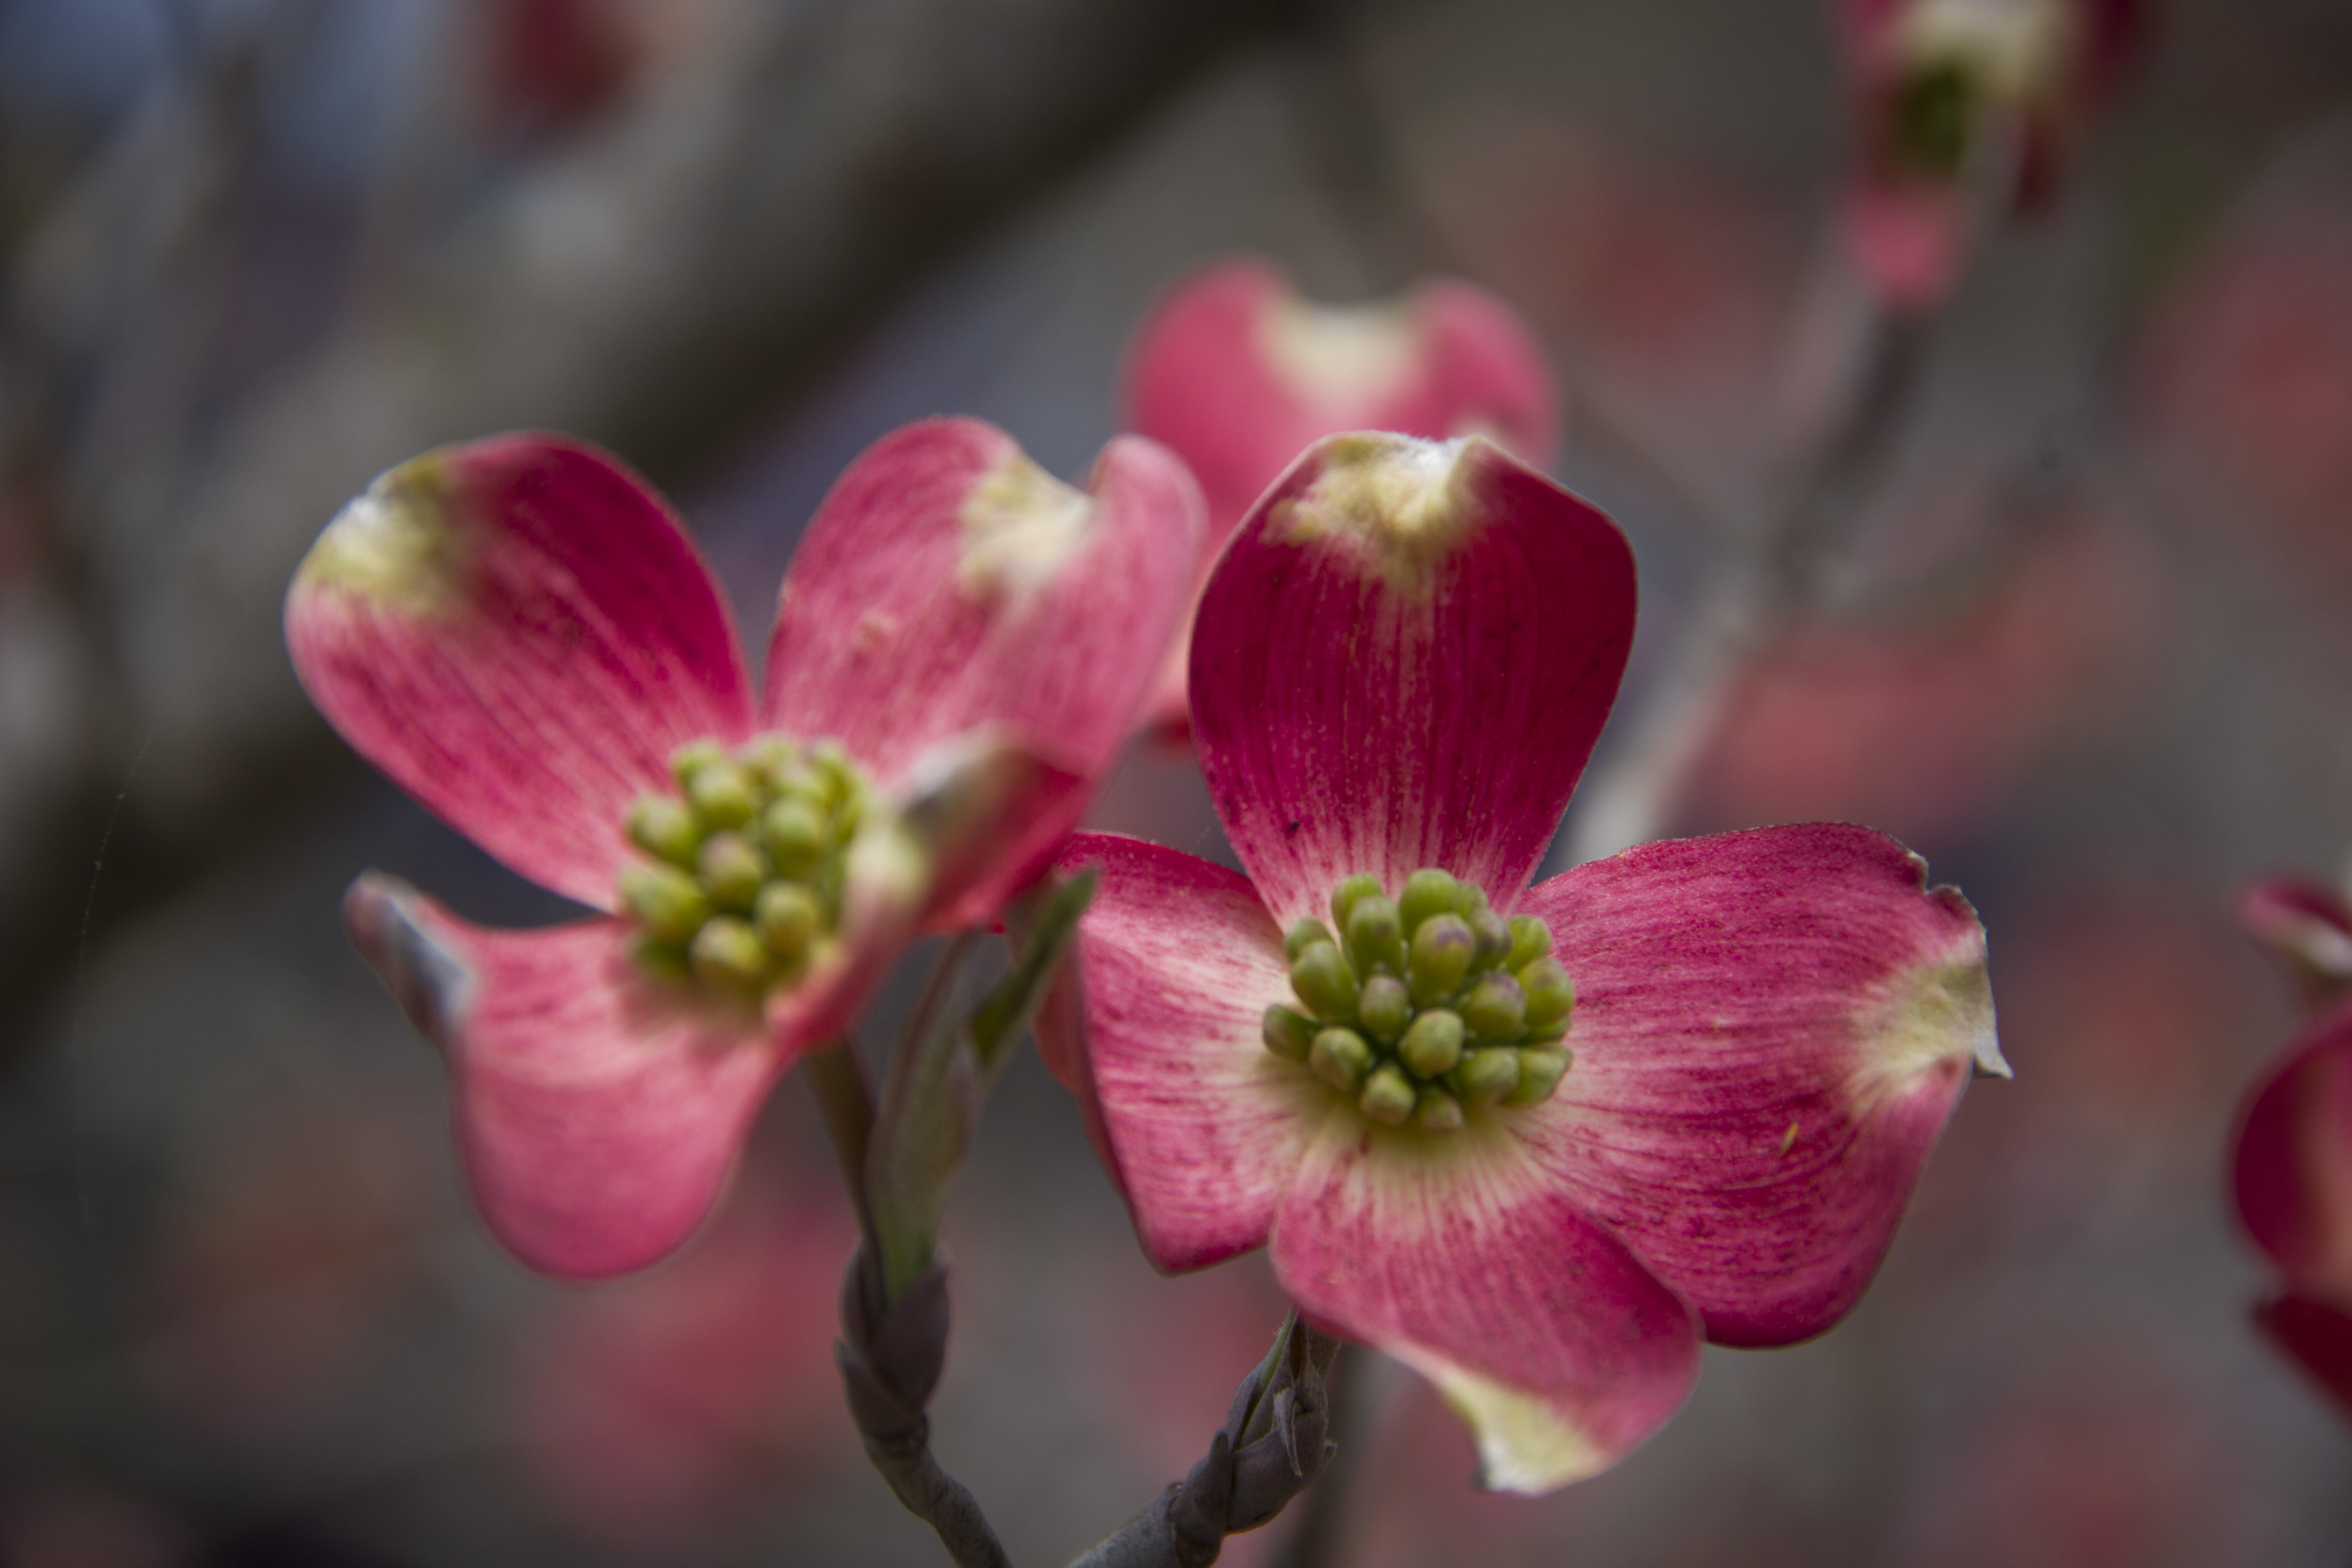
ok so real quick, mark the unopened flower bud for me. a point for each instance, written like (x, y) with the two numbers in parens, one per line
(1530, 940)
(726, 955)
(1340, 1059)
(1288, 1035)
(656, 957)
(1385, 1008)
(1388, 1097)
(1485, 1077)
(731, 870)
(1539, 1075)
(1551, 994)
(1442, 949)
(1324, 981)
(1363, 884)
(1433, 1044)
(1304, 932)
(786, 915)
(721, 795)
(692, 758)
(1375, 935)
(1427, 892)
(1495, 1007)
(1493, 937)
(793, 836)
(668, 901)
(660, 826)
(1435, 1111)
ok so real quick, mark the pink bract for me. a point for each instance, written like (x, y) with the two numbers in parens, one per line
(2291, 1160)
(1404, 660)
(1237, 374)
(519, 632)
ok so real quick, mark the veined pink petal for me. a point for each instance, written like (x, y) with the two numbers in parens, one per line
(1771, 1028)
(520, 633)
(1460, 1258)
(2316, 1336)
(1238, 376)
(1403, 661)
(598, 1111)
(2292, 1168)
(948, 585)
(1177, 959)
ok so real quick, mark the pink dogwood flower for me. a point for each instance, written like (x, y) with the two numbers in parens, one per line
(1961, 99)
(519, 632)
(2291, 1160)
(1398, 669)
(1237, 376)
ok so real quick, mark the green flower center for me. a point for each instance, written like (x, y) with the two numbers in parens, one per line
(1428, 1006)
(742, 889)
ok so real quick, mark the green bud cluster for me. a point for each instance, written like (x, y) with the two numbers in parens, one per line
(742, 889)
(1426, 1005)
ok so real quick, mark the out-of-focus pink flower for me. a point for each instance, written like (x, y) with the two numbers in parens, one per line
(522, 636)
(1949, 94)
(2290, 1163)
(1927, 725)
(2250, 386)
(666, 1407)
(1398, 669)
(1237, 374)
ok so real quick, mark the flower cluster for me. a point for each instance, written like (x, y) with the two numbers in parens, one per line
(1537, 1141)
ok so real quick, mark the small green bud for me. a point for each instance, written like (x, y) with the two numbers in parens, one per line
(726, 955)
(1375, 936)
(787, 916)
(1434, 1111)
(1530, 940)
(721, 795)
(660, 826)
(1385, 1008)
(692, 758)
(1539, 1075)
(1363, 884)
(1388, 1099)
(1324, 981)
(1340, 1059)
(1288, 1035)
(1441, 957)
(1469, 898)
(1551, 995)
(666, 960)
(1486, 1076)
(1428, 891)
(833, 764)
(1493, 937)
(794, 837)
(731, 870)
(767, 756)
(665, 900)
(1304, 932)
(1495, 1007)
(1545, 1035)
(1433, 1044)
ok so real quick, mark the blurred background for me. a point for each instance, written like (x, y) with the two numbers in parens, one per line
(2087, 648)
